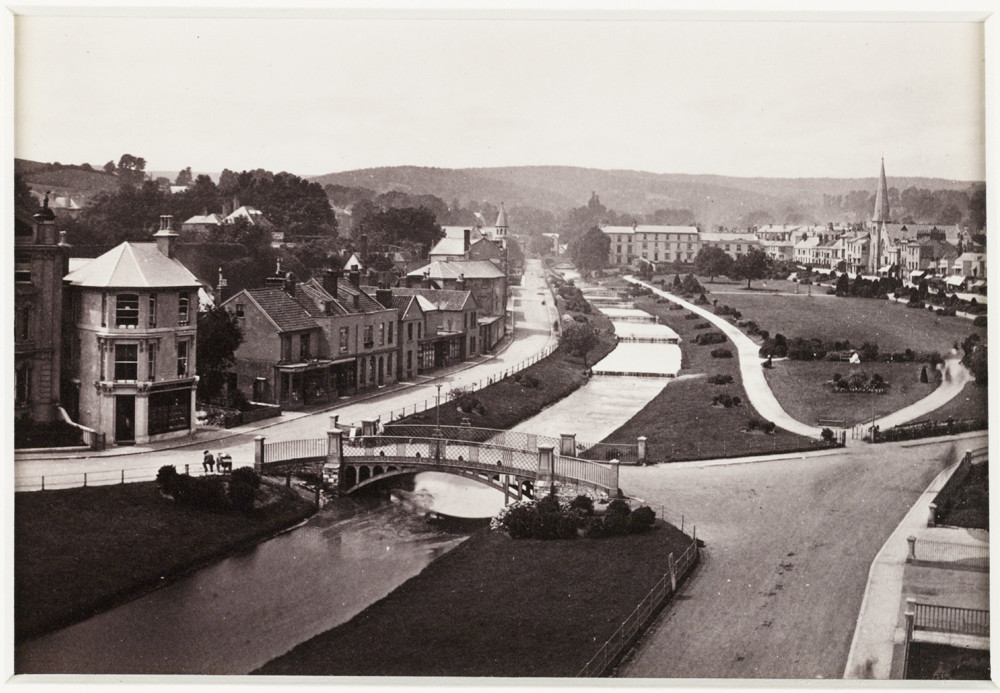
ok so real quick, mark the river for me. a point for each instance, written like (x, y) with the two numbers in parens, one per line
(235, 615)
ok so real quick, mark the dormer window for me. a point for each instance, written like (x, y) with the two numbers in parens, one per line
(127, 310)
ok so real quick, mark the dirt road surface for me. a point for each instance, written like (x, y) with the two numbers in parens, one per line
(789, 546)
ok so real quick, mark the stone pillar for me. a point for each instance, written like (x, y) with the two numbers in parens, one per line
(334, 418)
(334, 447)
(912, 554)
(546, 458)
(567, 444)
(910, 615)
(642, 450)
(932, 515)
(258, 454)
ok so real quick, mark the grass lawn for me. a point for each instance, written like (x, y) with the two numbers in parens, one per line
(508, 402)
(893, 326)
(680, 423)
(83, 550)
(801, 388)
(930, 661)
(971, 403)
(495, 606)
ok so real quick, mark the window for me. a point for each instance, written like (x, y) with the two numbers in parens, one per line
(304, 347)
(151, 374)
(22, 389)
(472, 345)
(182, 359)
(409, 333)
(152, 310)
(381, 333)
(239, 310)
(420, 330)
(286, 348)
(126, 361)
(22, 326)
(127, 310)
(345, 335)
(104, 310)
(409, 360)
(182, 310)
(369, 336)
(390, 332)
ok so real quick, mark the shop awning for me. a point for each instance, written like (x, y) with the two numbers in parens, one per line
(303, 365)
(955, 280)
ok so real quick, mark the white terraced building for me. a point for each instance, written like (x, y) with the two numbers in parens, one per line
(653, 243)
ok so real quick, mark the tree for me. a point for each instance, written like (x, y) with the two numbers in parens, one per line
(184, 177)
(395, 226)
(131, 168)
(579, 338)
(109, 167)
(754, 265)
(843, 285)
(977, 209)
(219, 336)
(712, 260)
(24, 201)
(590, 251)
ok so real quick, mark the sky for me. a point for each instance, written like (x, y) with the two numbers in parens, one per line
(320, 94)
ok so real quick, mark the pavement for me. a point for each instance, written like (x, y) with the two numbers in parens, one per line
(877, 647)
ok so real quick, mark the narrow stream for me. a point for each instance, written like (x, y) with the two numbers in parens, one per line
(243, 611)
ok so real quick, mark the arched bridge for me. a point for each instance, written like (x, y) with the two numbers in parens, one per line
(365, 460)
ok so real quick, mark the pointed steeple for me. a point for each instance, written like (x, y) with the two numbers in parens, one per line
(881, 198)
(502, 218)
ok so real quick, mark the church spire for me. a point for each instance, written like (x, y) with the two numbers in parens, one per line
(881, 198)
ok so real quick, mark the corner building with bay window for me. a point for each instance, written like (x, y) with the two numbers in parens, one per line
(133, 314)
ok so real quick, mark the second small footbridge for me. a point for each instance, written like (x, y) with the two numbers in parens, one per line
(519, 465)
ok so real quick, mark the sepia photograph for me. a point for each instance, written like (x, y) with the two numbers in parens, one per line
(492, 346)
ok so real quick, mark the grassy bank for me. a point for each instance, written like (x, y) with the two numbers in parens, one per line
(495, 607)
(681, 422)
(80, 551)
(510, 401)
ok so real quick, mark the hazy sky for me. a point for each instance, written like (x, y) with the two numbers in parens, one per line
(318, 95)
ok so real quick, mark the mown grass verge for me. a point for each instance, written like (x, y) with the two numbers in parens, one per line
(84, 550)
(681, 423)
(511, 400)
(495, 606)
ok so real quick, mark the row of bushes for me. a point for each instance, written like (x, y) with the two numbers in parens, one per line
(550, 519)
(720, 379)
(710, 338)
(702, 326)
(725, 400)
(762, 426)
(211, 492)
(722, 354)
(859, 381)
(925, 429)
(725, 310)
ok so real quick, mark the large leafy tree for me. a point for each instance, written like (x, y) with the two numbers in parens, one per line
(712, 260)
(219, 336)
(131, 169)
(24, 201)
(579, 338)
(184, 177)
(754, 265)
(397, 226)
(590, 251)
(291, 203)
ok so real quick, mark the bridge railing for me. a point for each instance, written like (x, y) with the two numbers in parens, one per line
(441, 449)
(951, 619)
(289, 450)
(585, 471)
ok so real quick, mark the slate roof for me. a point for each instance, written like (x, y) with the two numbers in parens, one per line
(440, 299)
(285, 312)
(650, 228)
(472, 269)
(313, 291)
(133, 265)
(204, 219)
(449, 246)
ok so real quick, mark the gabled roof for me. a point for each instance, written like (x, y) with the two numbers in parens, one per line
(204, 219)
(285, 312)
(459, 232)
(440, 299)
(344, 303)
(133, 265)
(449, 246)
(251, 214)
(472, 269)
(408, 306)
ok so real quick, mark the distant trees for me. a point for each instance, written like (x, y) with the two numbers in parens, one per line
(24, 201)
(291, 203)
(712, 260)
(754, 265)
(131, 169)
(109, 167)
(184, 177)
(590, 251)
(397, 226)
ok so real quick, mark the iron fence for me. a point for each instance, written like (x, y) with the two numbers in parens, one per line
(625, 453)
(603, 476)
(286, 450)
(951, 619)
(97, 477)
(971, 555)
(612, 649)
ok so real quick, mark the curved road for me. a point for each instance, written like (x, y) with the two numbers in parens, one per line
(788, 547)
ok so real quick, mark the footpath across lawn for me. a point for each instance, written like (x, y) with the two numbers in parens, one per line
(681, 423)
(495, 606)
(83, 550)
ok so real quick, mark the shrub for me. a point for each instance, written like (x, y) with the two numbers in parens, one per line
(722, 354)
(595, 529)
(979, 321)
(923, 374)
(202, 493)
(753, 425)
(241, 494)
(246, 475)
(549, 504)
(616, 524)
(566, 527)
(710, 338)
(726, 400)
(720, 379)
(691, 316)
(827, 435)
(166, 476)
(618, 507)
(526, 380)
(641, 519)
(768, 427)
(702, 326)
(584, 503)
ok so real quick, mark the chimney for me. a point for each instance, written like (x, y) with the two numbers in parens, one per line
(165, 237)
(330, 279)
(289, 284)
(276, 279)
(384, 297)
(460, 282)
(465, 247)
(427, 279)
(45, 220)
(357, 301)
(219, 286)
(355, 277)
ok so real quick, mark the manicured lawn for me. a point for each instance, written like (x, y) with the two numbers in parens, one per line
(801, 388)
(893, 326)
(680, 423)
(495, 606)
(80, 551)
(971, 403)
(508, 402)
